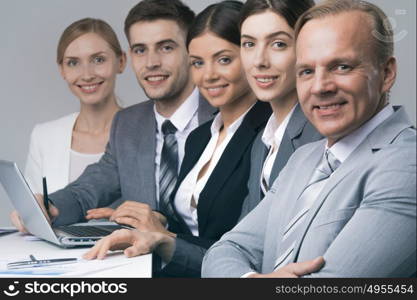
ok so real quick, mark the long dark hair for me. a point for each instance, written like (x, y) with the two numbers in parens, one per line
(221, 18)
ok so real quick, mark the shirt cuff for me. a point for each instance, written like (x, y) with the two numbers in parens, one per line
(247, 274)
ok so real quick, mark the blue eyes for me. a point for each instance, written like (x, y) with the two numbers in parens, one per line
(167, 49)
(163, 49)
(305, 72)
(247, 44)
(72, 63)
(343, 67)
(97, 60)
(224, 60)
(279, 45)
(197, 64)
(275, 44)
(138, 50)
(340, 69)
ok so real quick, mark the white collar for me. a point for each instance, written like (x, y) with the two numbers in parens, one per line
(183, 115)
(274, 132)
(345, 146)
(218, 123)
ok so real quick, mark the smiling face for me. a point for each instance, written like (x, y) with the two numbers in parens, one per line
(217, 71)
(339, 82)
(90, 67)
(268, 56)
(160, 59)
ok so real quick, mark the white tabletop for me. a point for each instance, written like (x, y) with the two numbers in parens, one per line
(17, 247)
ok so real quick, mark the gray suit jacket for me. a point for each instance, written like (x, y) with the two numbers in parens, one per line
(363, 222)
(126, 170)
(299, 131)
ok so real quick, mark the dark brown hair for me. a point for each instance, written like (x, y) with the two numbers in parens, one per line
(221, 19)
(151, 10)
(290, 10)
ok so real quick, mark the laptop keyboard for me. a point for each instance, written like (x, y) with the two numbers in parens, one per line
(87, 231)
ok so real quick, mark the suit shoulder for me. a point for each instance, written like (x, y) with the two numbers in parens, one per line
(399, 153)
(140, 108)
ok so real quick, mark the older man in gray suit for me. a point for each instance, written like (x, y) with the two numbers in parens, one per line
(133, 166)
(345, 206)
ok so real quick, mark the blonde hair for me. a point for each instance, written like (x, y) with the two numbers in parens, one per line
(88, 25)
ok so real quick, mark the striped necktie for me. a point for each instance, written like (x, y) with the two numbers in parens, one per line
(168, 168)
(291, 232)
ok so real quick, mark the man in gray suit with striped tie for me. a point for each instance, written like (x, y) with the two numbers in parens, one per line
(146, 143)
(344, 206)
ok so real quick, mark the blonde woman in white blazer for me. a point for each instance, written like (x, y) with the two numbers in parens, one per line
(89, 57)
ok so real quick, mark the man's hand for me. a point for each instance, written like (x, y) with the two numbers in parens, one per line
(99, 213)
(18, 223)
(139, 216)
(294, 270)
(133, 242)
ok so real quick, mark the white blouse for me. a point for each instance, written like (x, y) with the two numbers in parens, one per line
(187, 196)
(80, 161)
(272, 138)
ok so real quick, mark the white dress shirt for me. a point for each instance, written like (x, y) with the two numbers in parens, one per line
(185, 119)
(188, 194)
(345, 146)
(272, 138)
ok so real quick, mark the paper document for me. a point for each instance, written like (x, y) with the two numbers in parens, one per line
(80, 268)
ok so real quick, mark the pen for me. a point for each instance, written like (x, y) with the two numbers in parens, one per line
(45, 194)
(33, 262)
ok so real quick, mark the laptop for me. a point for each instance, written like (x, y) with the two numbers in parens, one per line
(25, 203)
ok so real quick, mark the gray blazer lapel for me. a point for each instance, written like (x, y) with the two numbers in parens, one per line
(381, 136)
(145, 139)
(285, 150)
(279, 214)
(289, 144)
(260, 152)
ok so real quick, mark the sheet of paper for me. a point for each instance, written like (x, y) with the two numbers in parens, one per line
(80, 268)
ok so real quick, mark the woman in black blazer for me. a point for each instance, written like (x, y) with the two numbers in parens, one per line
(212, 182)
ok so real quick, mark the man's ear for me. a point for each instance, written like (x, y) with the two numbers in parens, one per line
(390, 74)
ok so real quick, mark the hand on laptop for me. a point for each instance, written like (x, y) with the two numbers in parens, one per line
(99, 213)
(294, 270)
(18, 223)
(140, 216)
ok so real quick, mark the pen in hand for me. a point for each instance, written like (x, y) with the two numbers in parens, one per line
(45, 194)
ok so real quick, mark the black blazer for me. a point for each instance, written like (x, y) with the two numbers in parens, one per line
(220, 201)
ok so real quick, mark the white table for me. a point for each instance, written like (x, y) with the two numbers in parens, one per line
(14, 247)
